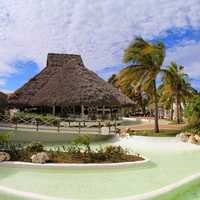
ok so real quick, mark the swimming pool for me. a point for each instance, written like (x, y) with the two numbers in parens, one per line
(171, 161)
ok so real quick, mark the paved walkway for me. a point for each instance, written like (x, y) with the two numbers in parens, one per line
(151, 126)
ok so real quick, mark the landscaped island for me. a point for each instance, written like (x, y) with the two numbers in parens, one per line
(79, 151)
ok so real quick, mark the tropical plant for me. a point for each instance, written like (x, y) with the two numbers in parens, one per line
(83, 140)
(139, 97)
(4, 137)
(192, 112)
(175, 88)
(145, 60)
(35, 147)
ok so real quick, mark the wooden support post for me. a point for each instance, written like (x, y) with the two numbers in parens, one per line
(74, 110)
(82, 111)
(54, 110)
(37, 125)
(115, 123)
(109, 116)
(103, 112)
(109, 127)
(79, 127)
(99, 127)
(58, 124)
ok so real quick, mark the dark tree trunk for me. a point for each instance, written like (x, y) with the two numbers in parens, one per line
(172, 112)
(156, 118)
(142, 105)
(178, 105)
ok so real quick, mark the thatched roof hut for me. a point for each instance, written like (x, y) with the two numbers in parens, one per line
(66, 81)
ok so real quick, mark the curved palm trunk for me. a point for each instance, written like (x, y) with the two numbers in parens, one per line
(178, 105)
(142, 104)
(156, 126)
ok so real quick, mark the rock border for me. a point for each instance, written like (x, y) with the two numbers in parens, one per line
(72, 165)
(189, 138)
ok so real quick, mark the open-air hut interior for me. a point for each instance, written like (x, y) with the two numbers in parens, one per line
(67, 88)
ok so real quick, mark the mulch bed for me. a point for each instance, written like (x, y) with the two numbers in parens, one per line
(64, 157)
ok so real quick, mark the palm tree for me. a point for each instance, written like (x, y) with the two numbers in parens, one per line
(166, 99)
(112, 80)
(176, 87)
(145, 60)
(139, 97)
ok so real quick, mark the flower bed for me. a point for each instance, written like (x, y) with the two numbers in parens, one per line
(79, 151)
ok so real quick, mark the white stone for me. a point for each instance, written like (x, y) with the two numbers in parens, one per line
(183, 137)
(4, 156)
(40, 157)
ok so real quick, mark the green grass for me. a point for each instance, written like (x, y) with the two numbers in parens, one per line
(162, 133)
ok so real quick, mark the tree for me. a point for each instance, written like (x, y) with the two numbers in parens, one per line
(145, 60)
(139, 97)
(112, 80)
(176, 87)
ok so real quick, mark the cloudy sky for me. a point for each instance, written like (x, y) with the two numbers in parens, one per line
(99, 30)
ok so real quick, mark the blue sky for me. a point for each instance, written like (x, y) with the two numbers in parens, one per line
(98, 30)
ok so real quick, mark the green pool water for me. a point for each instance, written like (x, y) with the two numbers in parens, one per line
(190, 191)
(170, 162)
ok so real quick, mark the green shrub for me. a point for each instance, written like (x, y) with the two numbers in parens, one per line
(4, 140)
(192, 112)
(115, 153)
(4, 137)
(83, 140)
(192, 129)
(35, 147)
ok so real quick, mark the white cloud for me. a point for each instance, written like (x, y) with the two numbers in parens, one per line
(2, 82)
(188, 55)
(98, 30)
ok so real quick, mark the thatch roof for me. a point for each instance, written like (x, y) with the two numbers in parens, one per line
(66, 81)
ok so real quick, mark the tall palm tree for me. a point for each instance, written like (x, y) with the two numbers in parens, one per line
(145, 60)
(176, 86)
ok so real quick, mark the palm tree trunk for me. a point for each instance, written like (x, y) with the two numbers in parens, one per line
(142, 105)
(156, 126)
(178, 120)
(181, 113)
(172, 112)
